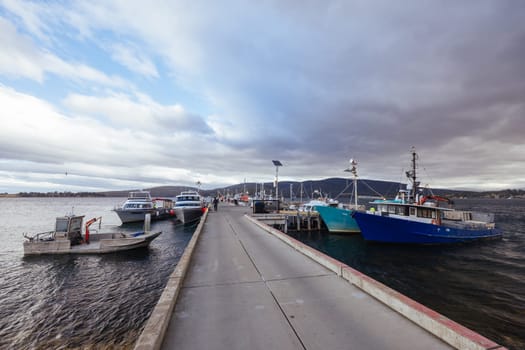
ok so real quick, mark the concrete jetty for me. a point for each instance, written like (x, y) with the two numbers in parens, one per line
(243, 285)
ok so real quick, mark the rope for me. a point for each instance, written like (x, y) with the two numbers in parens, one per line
(370, 188)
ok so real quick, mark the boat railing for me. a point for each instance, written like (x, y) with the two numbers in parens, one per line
(483, 217)
(460, 215)
(118, 206)
(139, 195)
(42, 236)
(472, 225)
(359, 207)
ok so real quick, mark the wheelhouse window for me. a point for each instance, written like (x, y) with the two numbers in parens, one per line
(76, 224)
(61, 225)
(426, 213)
(402, 210)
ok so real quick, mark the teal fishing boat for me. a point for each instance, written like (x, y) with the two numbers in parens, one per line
(338, 219)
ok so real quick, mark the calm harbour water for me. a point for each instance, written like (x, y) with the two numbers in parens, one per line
(103, 301)
(479, 285)
(79, 301)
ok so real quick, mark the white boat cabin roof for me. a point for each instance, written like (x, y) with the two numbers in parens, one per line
(139, 195)
(188, 196)
(395, 202)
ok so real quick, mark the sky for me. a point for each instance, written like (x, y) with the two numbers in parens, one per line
(126, 94)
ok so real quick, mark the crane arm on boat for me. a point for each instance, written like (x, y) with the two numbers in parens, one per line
(89, 223)
(436, 198)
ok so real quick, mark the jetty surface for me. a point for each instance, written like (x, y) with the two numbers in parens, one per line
(240, 286)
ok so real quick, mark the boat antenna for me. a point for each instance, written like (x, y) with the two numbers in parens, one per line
(412, 173)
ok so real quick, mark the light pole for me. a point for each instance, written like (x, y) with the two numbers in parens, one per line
(277, 165)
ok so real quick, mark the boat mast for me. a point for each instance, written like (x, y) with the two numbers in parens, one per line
(412, 174)
(353, 170)
(353, 162)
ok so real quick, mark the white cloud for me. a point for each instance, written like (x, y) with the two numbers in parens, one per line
(18, 57)
(36, 138)
(140, 114)
(131, 58)
(21, 58)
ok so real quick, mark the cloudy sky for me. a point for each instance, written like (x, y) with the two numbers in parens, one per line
(133, 94)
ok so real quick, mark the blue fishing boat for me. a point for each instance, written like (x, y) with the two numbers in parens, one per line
(338, 218)
(415, 218)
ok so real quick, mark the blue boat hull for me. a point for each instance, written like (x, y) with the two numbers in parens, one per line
(379, 228)
(338, 220)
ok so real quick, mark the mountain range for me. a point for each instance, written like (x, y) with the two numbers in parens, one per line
(337, 188)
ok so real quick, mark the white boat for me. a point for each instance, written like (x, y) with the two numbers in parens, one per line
(140, 203)
(70, 237)
(189, 206)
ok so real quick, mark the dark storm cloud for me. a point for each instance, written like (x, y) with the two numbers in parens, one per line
(430, 76)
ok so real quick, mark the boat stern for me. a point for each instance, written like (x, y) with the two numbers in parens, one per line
(55, 246)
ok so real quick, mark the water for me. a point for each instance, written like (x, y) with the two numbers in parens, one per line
(103, 301)
(480, 285)
(79, 301)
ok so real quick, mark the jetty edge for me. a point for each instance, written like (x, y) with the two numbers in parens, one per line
(448, 331)
(154, 331)
(451, 332)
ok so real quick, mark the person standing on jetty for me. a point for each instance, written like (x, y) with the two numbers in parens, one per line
(215, 203)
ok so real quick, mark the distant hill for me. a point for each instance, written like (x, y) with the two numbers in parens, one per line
(332, 187)
(336, 188)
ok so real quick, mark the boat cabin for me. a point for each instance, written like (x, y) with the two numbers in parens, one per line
(128, 205)
(428, 212)
(69, 227)
(413, 211)
(187, 198)
(138, 200)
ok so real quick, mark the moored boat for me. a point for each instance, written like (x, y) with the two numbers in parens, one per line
(70, 236)
(163, 208)
(189, 206)
(311, 206)
(338, 218)
(413, 218)
(140, 203)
